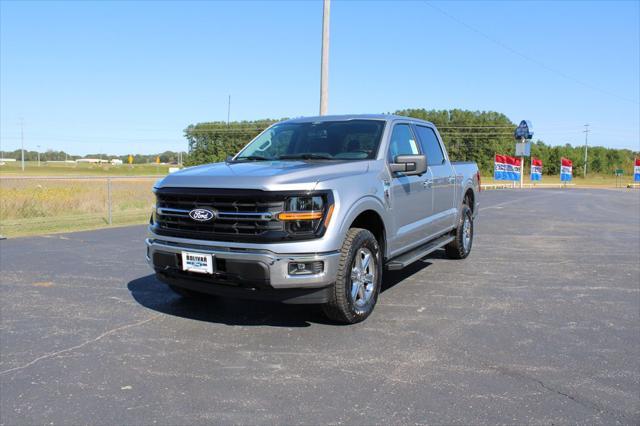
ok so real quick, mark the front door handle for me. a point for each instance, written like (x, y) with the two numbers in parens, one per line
(427, 183)
(452, 179)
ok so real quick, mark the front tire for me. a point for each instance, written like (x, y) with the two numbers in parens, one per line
(460, 247)
(359, 278)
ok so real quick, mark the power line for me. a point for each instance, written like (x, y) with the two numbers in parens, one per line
(526, 57)
(477, 127)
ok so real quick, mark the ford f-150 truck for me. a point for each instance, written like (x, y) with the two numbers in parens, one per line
(312, 211)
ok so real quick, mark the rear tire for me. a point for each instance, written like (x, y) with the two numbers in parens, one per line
(460, 247)
(355, 293)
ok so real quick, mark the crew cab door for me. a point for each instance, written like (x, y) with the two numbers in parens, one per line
(409, 197)
(444, 181)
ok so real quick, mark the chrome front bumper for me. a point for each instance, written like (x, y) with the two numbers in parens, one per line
(278, 264)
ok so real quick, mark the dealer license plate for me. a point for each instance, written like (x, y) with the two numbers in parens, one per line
(197, 262)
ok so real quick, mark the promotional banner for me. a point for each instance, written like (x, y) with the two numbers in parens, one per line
(636, 171)
(566, 170)
(506, 168)
(536, 169)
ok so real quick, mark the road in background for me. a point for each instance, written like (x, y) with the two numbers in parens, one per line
(538, 325)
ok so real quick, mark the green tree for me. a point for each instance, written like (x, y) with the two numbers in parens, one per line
(468, 135)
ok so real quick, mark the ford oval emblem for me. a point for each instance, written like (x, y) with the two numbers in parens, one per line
(202, 215)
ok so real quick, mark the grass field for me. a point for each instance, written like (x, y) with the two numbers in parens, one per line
(82, 169)
(38, 206)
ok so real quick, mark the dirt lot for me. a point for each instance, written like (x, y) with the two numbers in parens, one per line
(539, 325)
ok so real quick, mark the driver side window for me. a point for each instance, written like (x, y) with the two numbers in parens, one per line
(403, 142)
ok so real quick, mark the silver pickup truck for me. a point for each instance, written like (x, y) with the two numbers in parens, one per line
(312, 211)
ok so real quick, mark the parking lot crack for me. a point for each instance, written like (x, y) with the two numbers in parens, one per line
(79, 346)
(585, 404)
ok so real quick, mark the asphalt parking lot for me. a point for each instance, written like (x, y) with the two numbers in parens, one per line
(541, 324)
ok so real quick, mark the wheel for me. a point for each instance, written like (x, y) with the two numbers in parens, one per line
(186, 293)
(460, 247)
(357, 286)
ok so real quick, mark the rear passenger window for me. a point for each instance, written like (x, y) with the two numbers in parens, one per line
(430, 146)
(402, 142)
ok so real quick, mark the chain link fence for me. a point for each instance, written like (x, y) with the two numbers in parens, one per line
(38, 205)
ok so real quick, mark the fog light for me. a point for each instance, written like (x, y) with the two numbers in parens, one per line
(306, 268)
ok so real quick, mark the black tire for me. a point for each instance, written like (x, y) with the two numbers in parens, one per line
(342, 307)
(186, 293)
(457, 249)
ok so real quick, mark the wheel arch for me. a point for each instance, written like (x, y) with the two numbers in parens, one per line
(368, 214)
(469, 198)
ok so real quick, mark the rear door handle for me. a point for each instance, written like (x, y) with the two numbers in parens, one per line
(452, 179)
(427, 183)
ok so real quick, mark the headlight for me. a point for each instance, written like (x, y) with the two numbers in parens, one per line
(304, 214)
(305, 204)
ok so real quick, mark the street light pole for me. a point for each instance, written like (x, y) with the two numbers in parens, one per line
(586, 147)
(522, 141)
(22, 140)
(324, 63)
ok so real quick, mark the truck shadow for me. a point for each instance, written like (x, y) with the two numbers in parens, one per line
(393, 278)
(152, 294)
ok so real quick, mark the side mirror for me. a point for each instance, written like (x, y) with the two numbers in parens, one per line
(229, 158)
(409, 165)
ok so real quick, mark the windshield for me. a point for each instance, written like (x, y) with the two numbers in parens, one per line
(327, 140)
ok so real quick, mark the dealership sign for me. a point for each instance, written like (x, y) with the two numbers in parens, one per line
(636, 170)
(523, 131)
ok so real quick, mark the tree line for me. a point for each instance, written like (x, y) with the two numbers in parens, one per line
(468, 135)
(51, 155)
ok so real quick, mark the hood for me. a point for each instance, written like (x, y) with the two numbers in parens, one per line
(264, 175)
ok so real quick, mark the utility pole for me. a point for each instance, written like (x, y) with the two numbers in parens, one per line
(324, 63)
(228, 110)
(22, 140)
(38, 155)
(586, 147)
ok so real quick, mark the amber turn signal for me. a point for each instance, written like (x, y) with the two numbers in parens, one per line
(300, 215)
(329, 214)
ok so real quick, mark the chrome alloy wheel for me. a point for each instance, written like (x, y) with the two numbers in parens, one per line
(466, 233)
(363, 277)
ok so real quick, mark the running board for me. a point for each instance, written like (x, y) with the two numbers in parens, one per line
(418, 253)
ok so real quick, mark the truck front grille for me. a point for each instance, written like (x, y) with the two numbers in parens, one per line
(240, 215)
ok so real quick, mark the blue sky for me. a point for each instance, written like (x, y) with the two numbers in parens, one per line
(123, 77)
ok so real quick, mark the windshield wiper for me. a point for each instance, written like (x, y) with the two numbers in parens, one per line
(253, 158)
(305, 156)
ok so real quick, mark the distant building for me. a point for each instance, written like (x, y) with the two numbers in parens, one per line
(116, 162)
(92, 160)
